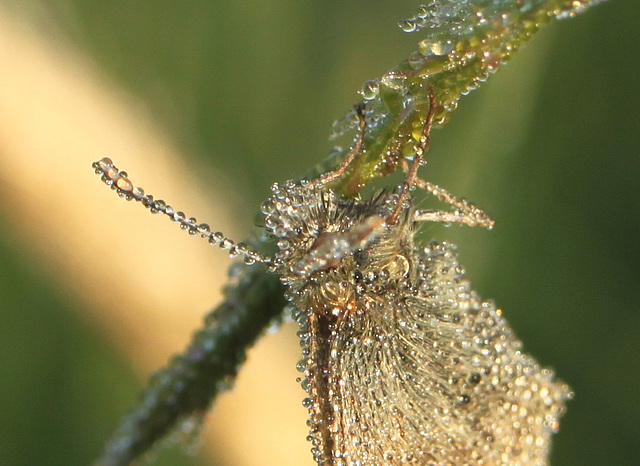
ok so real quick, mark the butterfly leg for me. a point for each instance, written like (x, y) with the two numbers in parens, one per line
(412, 170)
(464, 213)
(353, 153)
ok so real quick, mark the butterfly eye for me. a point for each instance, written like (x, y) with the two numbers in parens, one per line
(361, 256)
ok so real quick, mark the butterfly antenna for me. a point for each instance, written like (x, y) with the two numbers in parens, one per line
(119, 181)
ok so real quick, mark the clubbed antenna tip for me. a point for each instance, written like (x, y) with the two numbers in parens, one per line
(119, 181)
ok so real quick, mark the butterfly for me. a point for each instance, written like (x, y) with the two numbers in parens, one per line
(403, 362)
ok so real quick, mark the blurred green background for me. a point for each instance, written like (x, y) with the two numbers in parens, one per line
(548, 147)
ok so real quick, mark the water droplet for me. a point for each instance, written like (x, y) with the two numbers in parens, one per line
(408, 25)
(451, 105)
(369, 90)
(301, 366)
(227, 244)
(124, 183)
(438, 48)
(268, 206)
(491, 61)
(395, 81)
(423, 12)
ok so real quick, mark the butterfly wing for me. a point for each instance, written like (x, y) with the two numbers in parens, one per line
(433, 375)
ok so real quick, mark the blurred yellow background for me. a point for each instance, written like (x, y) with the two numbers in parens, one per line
(205, 104)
